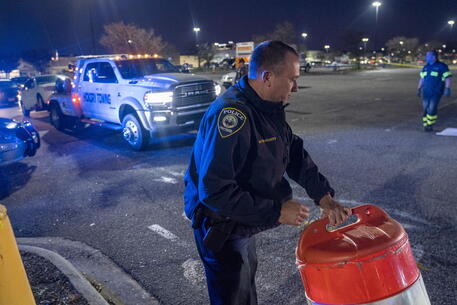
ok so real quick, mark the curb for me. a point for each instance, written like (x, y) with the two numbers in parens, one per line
(76, 278)
(113, 283)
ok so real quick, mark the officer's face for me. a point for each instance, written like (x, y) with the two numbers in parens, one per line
(284, 82)
(430, 58)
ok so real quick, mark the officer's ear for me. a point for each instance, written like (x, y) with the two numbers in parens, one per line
(266, 76)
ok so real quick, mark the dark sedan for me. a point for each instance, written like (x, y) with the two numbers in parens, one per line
(17, 140)
(8, 92)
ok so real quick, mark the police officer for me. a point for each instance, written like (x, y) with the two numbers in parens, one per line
(235, 185)
(435, 79)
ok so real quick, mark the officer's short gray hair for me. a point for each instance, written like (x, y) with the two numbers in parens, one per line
(269, 55)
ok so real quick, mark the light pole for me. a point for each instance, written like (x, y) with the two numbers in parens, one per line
(130, 45)
(365, 41)
(304, 35)
(451, 24)
(376, 4)
(401, 42)
(196, 31)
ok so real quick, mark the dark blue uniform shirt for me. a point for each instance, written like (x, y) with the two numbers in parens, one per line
(243, 149)
(434, 77)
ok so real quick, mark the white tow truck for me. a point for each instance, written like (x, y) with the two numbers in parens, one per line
(141, 96)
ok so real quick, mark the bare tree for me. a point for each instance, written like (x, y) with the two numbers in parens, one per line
(402, 46)
(8, 63)
(284, 31)
(128, 38)
(206, 53)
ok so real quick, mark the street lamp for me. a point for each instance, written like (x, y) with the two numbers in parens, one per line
(304, 35)
(130, 45)
(326, 47)
(376, 4)
(197, 30)
(365, 40)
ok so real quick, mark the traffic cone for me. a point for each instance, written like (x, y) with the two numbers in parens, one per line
(14, 285)
(367, 262)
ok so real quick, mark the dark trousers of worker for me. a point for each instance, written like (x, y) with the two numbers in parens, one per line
(430, 106)
(230, 272)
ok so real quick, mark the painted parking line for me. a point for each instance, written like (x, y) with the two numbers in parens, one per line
(168, 235)
(163, 232)
(193, 269)
(166, 180)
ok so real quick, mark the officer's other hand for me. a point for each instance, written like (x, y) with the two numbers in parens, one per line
(293, 213)
(447, 92)
(419, 92)
(335, 211)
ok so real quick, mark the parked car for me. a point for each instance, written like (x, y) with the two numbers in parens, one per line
(36, 92)
(20, 81)
(8, 92)
(17, 140)
(228, 79)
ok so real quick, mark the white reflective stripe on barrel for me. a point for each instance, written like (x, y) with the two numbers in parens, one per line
(414, 295)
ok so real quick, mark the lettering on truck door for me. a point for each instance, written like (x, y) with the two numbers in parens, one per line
(106, 84)
(87, 91)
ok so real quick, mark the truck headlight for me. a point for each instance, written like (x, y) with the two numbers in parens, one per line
(218, 89)
(157, 98)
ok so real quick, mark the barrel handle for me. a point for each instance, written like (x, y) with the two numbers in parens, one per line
(365, 213)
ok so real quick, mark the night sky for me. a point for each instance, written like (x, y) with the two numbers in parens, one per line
(65, 24)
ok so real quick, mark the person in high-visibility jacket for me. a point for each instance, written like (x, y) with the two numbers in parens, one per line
(435, 80)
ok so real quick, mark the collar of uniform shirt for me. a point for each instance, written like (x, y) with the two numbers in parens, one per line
(254, 98)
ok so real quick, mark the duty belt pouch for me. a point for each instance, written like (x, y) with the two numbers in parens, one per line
(218, 234)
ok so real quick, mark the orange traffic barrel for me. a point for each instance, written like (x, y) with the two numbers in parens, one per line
(367, 262)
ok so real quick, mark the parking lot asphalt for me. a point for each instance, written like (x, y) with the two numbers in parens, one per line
(363, 129)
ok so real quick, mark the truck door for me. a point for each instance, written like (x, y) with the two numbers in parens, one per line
(106, 83)
(87, 90)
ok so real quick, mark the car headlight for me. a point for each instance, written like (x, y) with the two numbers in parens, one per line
(157, 98)
(218, 89)
(11, 125)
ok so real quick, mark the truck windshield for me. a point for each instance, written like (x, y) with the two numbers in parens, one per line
(137, 68)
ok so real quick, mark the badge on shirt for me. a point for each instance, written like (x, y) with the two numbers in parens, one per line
(230, 121)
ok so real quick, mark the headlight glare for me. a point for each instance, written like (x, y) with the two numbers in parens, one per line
(157, 98)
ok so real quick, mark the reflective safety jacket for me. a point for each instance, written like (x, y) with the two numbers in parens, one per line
(243, 149)
(434, 77)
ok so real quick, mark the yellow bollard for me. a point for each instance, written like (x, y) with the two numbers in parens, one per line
(14, 284)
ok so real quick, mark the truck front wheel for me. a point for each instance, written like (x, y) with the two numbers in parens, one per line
(134, 133)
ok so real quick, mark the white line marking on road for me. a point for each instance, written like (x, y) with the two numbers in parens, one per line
(168, 235)
(176, 174)
(193, 271)
(166, 180)
(185, 217)
(408, 216)
(164, 232)
(332, 141)
(409, 227)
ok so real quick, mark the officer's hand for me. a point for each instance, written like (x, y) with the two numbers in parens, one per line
(419, 92)
(293, 213)
(447, 92)
(335, 212)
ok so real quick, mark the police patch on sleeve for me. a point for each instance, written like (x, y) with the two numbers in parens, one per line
(230, 121)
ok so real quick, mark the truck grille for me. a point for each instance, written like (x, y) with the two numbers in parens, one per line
(196, 93)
